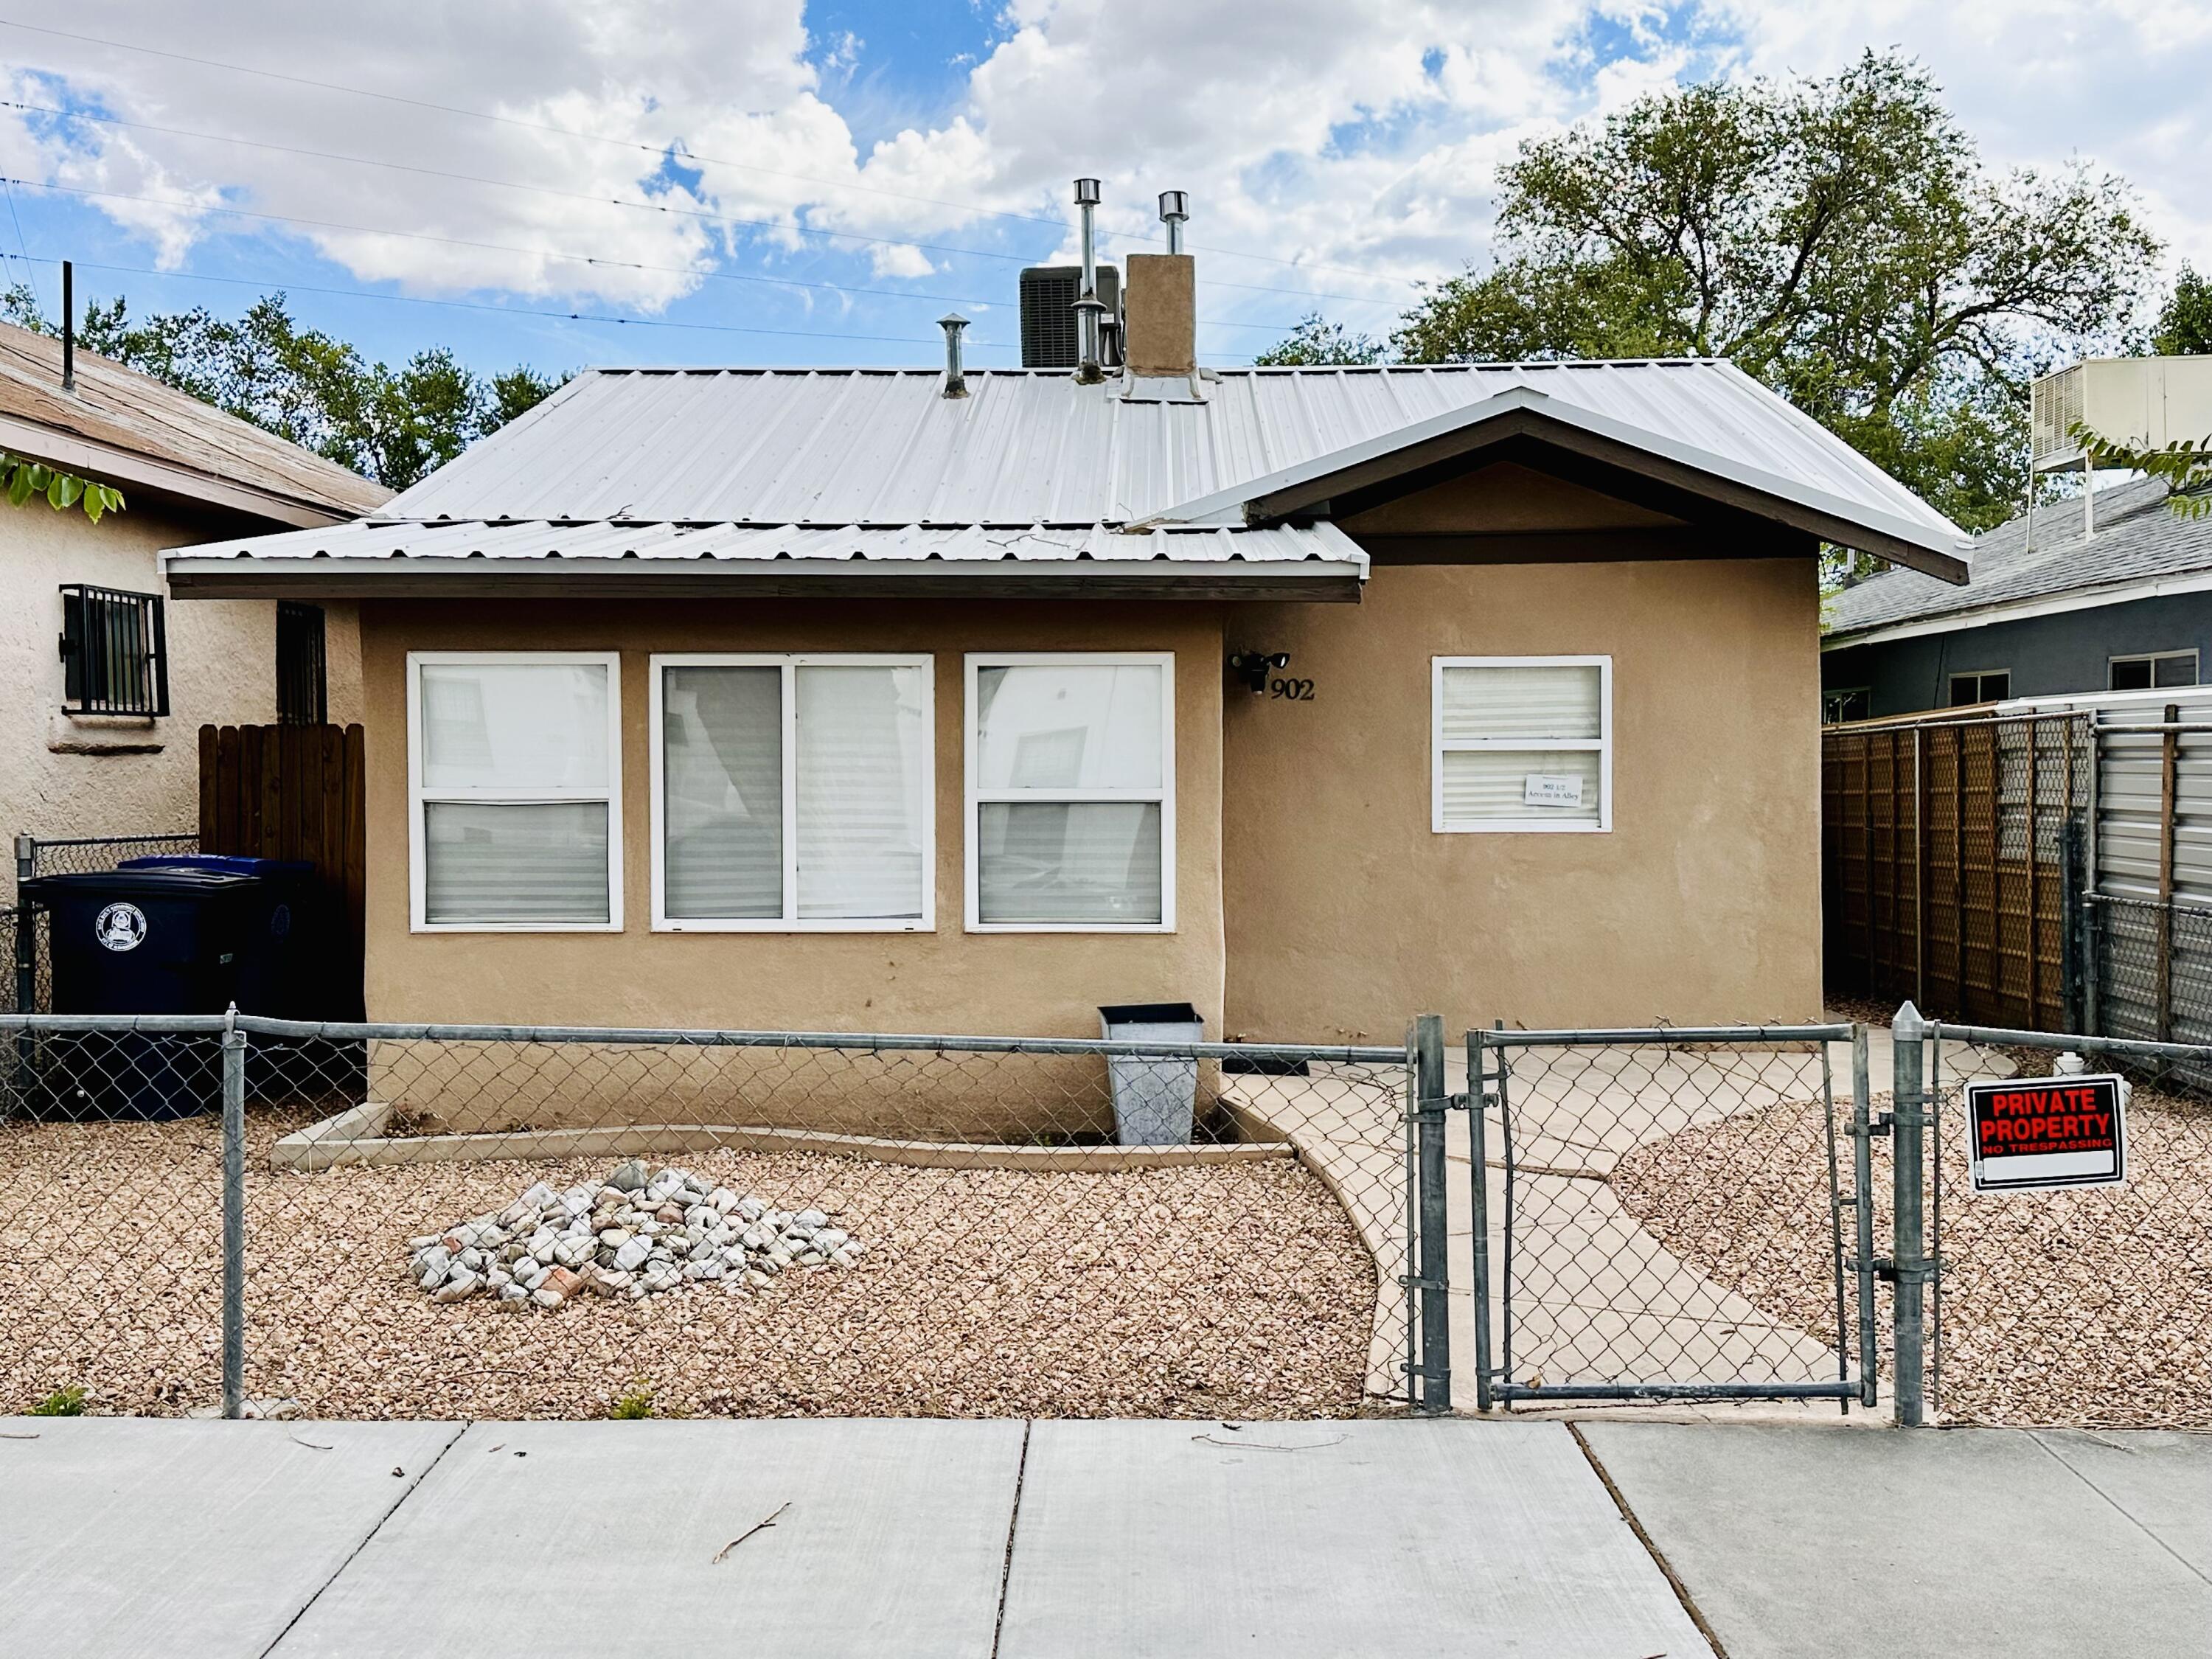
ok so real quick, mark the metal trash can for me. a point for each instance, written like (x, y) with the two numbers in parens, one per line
(139, 942)
(1154, 1100)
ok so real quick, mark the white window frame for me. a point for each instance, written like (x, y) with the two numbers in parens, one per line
(1978, 675)
(419, 796)
(791, 662)
(978, 796)
(1602, 743)
(2155, 658)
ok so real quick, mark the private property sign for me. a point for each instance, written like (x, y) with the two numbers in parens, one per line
(2037, 1132)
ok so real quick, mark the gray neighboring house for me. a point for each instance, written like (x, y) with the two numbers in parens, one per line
(2128, 608)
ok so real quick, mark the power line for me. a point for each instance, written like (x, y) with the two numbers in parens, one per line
(657, 151)
(641, 206)
(527, 253)
(281, 286)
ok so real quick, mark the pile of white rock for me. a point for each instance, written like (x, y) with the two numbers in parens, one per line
(630, 1235)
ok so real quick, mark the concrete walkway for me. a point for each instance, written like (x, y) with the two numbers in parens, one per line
(359, 1541)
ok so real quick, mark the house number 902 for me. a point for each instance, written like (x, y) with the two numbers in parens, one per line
(1293, 690)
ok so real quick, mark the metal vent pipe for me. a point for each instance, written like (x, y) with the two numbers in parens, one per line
(956, 378)
(1088, 305)
(1175, 209)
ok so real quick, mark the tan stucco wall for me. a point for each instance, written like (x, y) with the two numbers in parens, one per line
(1346, 912)
(144, 776)
(949, 980)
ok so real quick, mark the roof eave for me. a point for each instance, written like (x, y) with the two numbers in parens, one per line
(125, 467)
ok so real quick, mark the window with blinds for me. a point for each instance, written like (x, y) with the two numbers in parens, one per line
(792, 793)
(514, 772)
(1071, 793)
(1522, 744)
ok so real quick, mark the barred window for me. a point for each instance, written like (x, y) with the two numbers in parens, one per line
(115, 656)
(302, 682)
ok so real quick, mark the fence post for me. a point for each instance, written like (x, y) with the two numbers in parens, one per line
(1430, 1108)
(27, 929)
(233, 1216)
(1862, 1215)
(1478, 1160)
(1908, 1261)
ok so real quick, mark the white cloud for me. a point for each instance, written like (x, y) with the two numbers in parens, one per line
(1355, 137)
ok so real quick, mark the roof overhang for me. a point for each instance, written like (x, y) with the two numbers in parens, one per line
(1526, 412)
(90, 458)
(381, 559)
(2049, 604)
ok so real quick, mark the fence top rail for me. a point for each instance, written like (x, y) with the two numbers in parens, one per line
(109, 841)
(1998, 1036)
(2179, 907)
(120, 1024)
(652, 1036)
(1663, 1035)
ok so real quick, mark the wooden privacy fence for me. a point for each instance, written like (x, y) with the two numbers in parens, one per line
(294, 791)
(1951, 864)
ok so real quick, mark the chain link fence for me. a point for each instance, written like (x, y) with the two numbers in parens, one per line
(2091, 1305)
(469, 1222)
(1668, 1214)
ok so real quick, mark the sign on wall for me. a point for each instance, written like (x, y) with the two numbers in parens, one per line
(2034, 1134)
(1548, 789)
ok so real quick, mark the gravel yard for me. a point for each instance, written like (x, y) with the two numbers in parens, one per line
(1230, 1291)
(2090, 1307)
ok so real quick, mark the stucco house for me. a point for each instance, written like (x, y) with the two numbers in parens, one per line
(947, 700)
(103, 684)
(2082, 598)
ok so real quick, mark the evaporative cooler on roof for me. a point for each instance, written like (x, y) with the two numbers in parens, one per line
(1050, 339)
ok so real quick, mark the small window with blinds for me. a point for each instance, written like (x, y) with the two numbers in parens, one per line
(1522, 744)
(1071, 793)
(792, 793)
(515, 770)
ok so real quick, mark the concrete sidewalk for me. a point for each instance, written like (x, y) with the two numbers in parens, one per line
(237, 1541)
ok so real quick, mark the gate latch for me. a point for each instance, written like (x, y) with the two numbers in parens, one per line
(1456, 1103)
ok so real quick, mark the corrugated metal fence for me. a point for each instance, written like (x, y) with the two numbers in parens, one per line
(2048, 868)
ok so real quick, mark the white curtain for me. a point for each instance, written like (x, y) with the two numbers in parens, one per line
(863, 786)
(1523, 701)
(505, 861)
(1077, 861)
(1497, 783)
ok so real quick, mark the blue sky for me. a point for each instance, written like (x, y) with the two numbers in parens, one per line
(761, 181)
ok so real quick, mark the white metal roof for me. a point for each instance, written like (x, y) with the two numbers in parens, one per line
(883, 450)
(882, 447)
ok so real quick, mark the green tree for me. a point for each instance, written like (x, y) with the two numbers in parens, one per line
(395, 425)
(2183, 328)
(1838, 239)
(1316, 341)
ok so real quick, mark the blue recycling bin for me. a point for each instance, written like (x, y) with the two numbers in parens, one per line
(142, 942)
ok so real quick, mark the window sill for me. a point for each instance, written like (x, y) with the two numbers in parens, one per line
(1069, 927)
(514, 927)
(839, 925)
(103, 734)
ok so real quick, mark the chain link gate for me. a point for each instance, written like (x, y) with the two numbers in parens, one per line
(1659, 1214)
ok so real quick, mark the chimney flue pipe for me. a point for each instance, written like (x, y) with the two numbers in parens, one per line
(1088, 305)
(956, 379)
(69, 326)
(1175, 208)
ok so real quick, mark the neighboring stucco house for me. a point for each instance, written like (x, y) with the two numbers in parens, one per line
(2127, 607)
(911, 699)
(103, 685)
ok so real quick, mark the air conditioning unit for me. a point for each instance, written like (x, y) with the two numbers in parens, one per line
(2143, 402)
(1049, 336)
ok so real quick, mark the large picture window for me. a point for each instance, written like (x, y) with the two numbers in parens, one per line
(515, 785)
(1522, 744)
(792, 793)
(1071, 793)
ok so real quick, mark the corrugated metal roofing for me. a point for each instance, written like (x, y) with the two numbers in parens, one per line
(882, 447)
(120, 409)
(383, 538)
(2138, 538)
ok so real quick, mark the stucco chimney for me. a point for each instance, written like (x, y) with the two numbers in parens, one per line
(1160, 298)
